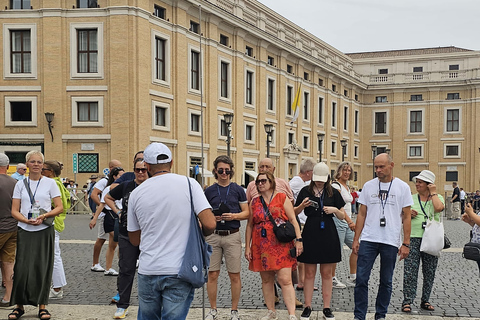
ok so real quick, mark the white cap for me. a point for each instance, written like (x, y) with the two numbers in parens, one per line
(321, 172)
(426, 175)
(4, 161)
(155, 149)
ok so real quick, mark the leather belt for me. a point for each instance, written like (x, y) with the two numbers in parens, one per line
(226, 232)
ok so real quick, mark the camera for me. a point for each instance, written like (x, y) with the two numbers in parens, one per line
(383, 222)
(314, 204)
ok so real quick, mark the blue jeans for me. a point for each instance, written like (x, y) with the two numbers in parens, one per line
(367, 254)
(163, 297)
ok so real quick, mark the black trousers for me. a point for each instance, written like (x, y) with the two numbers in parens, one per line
(127, 264)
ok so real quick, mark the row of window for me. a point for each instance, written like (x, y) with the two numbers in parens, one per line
(450, 150)
(451, 67)
(25, 4)
(419, 97)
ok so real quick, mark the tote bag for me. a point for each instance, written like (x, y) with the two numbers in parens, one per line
(196, 261)
(433, 238)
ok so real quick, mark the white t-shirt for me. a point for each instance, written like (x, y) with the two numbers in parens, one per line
(399, 197)
(101, 184)
(160, 209)
(347, 197)
(296, 184)
(462, 195)
(46, 191)
(118, 203)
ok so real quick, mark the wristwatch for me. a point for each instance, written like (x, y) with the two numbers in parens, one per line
(299, 239)
(406, 245)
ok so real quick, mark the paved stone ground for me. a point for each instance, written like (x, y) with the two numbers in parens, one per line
(454, 293)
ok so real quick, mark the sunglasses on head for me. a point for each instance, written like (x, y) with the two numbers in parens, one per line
(221, 171)
(46, 169)
(138, 170)
(261, 181)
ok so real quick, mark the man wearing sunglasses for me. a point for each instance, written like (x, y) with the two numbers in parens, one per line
(230, 206)
(21, 170)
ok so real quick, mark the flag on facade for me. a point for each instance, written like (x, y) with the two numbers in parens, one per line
(296, 105)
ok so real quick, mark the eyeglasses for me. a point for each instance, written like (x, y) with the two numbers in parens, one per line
(138, 170)
(261, 181)
(46, 169)
(221, 171)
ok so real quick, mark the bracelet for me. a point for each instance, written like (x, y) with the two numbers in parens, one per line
(44, 217)
(434, 194)
(406, 245)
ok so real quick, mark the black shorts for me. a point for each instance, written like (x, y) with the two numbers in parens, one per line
(109, 221)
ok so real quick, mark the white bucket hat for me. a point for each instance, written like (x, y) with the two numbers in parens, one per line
(426, 175)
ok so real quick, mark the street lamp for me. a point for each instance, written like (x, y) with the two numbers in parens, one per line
(320, 137)
(374, 154)
(269, 130)
(49, 117)
(343, 143)
(228, 118)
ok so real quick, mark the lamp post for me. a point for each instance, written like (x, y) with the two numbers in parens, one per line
(343, 143)
(49, 117)
(269, 130)
(374, 154)
(320, 137)
(228, 117)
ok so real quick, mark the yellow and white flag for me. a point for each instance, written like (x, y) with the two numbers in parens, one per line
(296, 105)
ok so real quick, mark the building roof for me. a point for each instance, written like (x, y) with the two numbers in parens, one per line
(406, 52)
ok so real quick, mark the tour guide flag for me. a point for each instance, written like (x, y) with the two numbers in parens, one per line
(295, 105)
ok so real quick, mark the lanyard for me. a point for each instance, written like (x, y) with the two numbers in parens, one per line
(32, 198)
(322, 197)
(226, 196)
(386, 196)
(421, 207)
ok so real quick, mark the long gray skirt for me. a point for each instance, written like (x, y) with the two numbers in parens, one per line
(32, 274)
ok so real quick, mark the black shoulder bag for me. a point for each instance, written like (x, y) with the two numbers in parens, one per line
(471, 250)
(285, 232)
(48, 221)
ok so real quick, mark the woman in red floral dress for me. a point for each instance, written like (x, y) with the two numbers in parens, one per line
(263, 250)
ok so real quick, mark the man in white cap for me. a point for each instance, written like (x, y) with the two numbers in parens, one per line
(158, 220)
(20, 173)
(385, 206)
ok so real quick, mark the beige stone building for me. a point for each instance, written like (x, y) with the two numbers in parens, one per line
(119, 74)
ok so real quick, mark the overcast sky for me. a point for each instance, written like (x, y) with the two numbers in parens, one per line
(377, 25)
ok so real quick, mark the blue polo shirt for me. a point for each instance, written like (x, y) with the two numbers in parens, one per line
(232, 195)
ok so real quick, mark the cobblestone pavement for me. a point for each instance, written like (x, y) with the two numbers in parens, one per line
(454, 293)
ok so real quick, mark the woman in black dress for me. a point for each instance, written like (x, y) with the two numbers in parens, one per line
(320, 238)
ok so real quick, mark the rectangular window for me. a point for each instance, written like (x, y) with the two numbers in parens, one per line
(345, 93)
(416, 97)
(224, 74)
(290, 137)
(334, 114)
(223, 40)
(451, 176)
(271, 92)
(320, 110)
(87, 51)
(160, 58)
(453, 67)
(306, 76)
(412, 174)
(356, 97)
(345, 118)
(415, 151)
(88, 163)
(320, 82)
(355, 151)
(334, 88)
(194, 27)
(87, 112)
(416, 121)
(20, 111)
(249, 132)
(356, 121)
(289, 68)
(21, 54)
(382, 71)
(160, 116)
(249, 88)
(195, 70)
(289, 100)
(223, 128)
(334, 147)
(305, 143)
(453, 96)
(194, 122)
(249, 51)
(270, 60)
(417, 69)
(381, 99)
(380, 122)
(306, 110)
(19, 4)
(452, 151)
(159, 12)
(453, 120)
(87, 4)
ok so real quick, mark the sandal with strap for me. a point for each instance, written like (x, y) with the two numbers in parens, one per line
(16, 314)
(406, 308)
(43, 314)
(427, 306)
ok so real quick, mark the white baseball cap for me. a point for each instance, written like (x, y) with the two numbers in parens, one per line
(154, 150)
(321, 172)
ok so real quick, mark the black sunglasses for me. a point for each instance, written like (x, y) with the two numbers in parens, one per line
(138, 170)
(221, 171)
(261, 181)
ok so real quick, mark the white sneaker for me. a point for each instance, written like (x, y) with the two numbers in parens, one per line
(97, 268)
(55, 295)
(271, 315)
(351, 282)
(110, 272)
(292, 317)
(337, 284)
(234, 315)
(120, 313)
(212, 315)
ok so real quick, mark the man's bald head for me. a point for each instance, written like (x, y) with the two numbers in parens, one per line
(113, 164)
(266, 165)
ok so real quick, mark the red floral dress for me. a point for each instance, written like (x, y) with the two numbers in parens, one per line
(268, 254)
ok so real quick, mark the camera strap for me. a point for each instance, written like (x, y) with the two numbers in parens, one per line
(421, 207)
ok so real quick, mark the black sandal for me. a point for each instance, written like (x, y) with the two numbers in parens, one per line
(42, 313)
(17, 313)
(406, 308)
(427, 306)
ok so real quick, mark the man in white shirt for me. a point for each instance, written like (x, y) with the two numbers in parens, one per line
(385, 207)
(20, 173)
(462, 200)
(158, 219)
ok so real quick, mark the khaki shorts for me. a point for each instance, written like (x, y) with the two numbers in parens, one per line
(228, 246)
(8, 246)
(101, 230)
